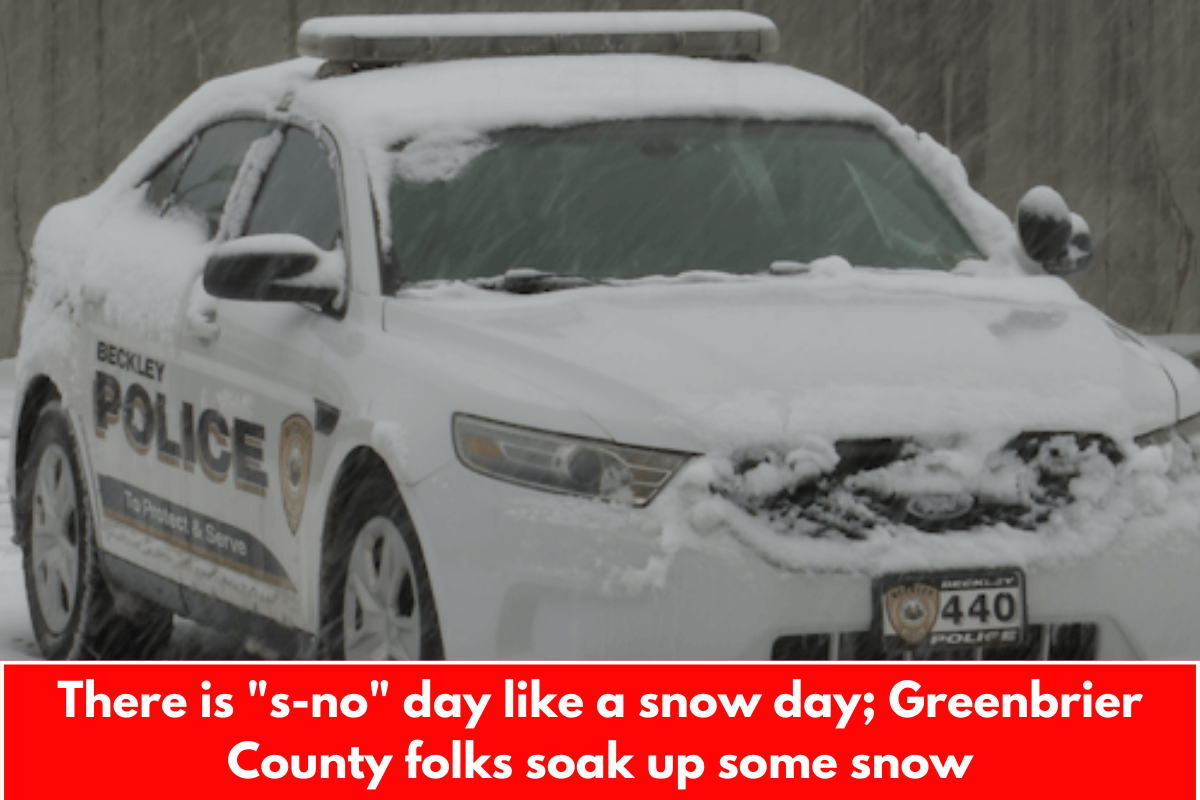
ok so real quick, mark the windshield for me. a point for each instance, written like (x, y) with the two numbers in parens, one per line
(661, 197)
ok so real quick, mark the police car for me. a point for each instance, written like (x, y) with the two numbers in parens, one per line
(584, 336)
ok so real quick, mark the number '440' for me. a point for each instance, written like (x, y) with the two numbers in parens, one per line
(1002, 607)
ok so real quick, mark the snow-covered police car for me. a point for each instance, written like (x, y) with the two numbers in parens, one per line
(585, 336)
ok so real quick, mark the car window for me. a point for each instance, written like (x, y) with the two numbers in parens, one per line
(300, 193)
(210, 171)
(661, 197)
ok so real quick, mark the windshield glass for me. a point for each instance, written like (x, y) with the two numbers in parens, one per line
(661, 197)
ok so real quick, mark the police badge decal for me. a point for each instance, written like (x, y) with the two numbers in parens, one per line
(912, 609)
(295, 456)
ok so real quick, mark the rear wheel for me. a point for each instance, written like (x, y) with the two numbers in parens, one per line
(70, 604)
(377, 601)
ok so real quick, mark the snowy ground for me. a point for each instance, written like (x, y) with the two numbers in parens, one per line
(190, 641)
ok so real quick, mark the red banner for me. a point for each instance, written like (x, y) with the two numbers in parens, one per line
(300, 730)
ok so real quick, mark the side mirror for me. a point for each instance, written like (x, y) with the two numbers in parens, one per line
(278, 267)
(1053, 236)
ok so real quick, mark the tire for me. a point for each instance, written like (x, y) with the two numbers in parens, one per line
(374, 560)
(70, 604)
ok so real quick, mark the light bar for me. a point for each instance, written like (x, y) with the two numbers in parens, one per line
(391, 39)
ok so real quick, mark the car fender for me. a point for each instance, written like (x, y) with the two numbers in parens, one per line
(78, 431)
(353, 439)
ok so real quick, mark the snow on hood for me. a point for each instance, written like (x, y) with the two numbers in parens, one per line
(714, 363)
(728, 366)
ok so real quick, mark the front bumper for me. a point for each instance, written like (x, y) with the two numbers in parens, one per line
(522, 574)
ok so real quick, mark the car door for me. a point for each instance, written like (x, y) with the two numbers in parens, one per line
(141, 436)
(252, 369)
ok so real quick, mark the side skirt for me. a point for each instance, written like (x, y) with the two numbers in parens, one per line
(125, 576)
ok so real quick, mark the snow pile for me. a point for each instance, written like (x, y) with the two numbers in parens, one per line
(440, 157)
(989, 227)
(798, 492)
(1149, 499)
(1042, 201)
(380, 108)
(713, 363)
(113, 263)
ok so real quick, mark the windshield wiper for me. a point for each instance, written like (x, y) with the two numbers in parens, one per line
(532, 281)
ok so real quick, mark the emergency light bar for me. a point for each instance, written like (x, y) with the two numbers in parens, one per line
(392, 39)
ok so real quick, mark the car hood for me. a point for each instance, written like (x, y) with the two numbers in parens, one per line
(710, 363)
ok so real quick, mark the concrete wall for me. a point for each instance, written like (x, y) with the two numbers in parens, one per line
(1099, 98)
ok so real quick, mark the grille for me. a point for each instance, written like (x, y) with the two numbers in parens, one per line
(1076, 641)
(849, 501)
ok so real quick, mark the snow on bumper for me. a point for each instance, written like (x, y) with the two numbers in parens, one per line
(523, 574)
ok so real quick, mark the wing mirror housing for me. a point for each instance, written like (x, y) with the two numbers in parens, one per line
(277, 267)
(1051, 234)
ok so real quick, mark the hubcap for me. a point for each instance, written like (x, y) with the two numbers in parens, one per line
(55, 539)
(381, 613)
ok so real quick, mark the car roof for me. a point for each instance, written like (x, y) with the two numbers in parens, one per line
(386, 105)
(379, 107)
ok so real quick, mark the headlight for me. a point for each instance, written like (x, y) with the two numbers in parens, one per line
(1186, 429)
(566, 464)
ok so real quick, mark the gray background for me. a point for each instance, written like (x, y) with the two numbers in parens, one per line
(1097, 98)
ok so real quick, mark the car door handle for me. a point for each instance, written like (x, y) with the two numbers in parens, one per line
(202, 323)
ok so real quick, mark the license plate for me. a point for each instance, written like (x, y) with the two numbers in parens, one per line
(952, 609)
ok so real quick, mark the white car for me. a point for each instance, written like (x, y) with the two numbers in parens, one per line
(585, 336)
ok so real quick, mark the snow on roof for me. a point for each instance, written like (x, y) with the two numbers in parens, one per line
(387, 105)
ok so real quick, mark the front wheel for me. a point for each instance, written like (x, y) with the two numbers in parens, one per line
(377, 603)
(70, 604)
